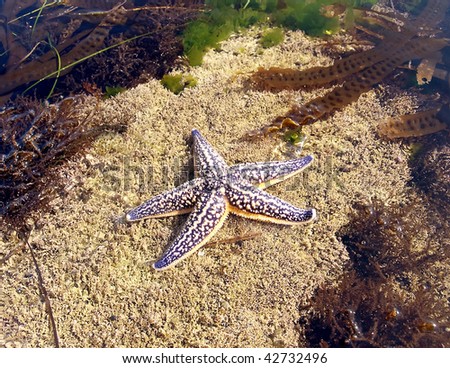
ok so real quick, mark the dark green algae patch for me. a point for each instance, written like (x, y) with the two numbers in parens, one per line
(272, 37)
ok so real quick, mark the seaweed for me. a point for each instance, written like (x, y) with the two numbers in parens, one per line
(369, 308)
(316, 18)
(430, 169)
(36, 140)
(114, 44)
(307, 17)
(415, 125)
(379, 240)
(272, 38)
(358, 72)
(412, 6)
(34, 70)
(362, 313)
(113, 91)
(225, 17)
(176, 83)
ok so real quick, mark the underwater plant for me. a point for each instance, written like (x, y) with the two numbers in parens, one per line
(358, 72)
(362, 313)
(388, 295)
(430, 169)
(113, 91)
(107, 43)
(416, 125)
(272, 37)
(225, 17)
(380, 239)
(216, 25)
(35, 140)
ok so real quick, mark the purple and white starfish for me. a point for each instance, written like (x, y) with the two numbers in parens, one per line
(218, 190)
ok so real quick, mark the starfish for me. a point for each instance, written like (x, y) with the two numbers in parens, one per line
(218, 190)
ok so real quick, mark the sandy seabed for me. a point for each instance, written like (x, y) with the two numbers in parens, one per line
(97, 269)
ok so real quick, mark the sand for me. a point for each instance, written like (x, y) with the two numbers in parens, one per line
(97, 269)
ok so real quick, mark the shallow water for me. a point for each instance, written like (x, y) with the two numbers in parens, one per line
(376, 259)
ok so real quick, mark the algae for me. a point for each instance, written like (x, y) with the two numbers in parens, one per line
(360, 72)
(385, 297)
(70, 45)
(272, 37)
(215, 26)
(176, 83)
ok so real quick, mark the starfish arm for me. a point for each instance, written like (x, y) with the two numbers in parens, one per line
(217, 191)
(207, 160)
(173, 202)
(247, 201)
(266, 174)
(205, 220)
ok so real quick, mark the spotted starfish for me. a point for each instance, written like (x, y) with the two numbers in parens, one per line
(218, 190)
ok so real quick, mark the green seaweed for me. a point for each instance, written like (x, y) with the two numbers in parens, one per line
(272, 37)
(311, 18)
(113, 91)
(294, 137)
(216, 25)
(307, 17)
(176, 83)
(228, 16)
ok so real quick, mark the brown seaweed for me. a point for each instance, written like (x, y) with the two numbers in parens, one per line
(369, 308)
(35, 70)
(430, 169)
(359, 72)
(70, 32)
(415, 125)
(35, 140)
(275, 79)
(362, 313)
(351, 89)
